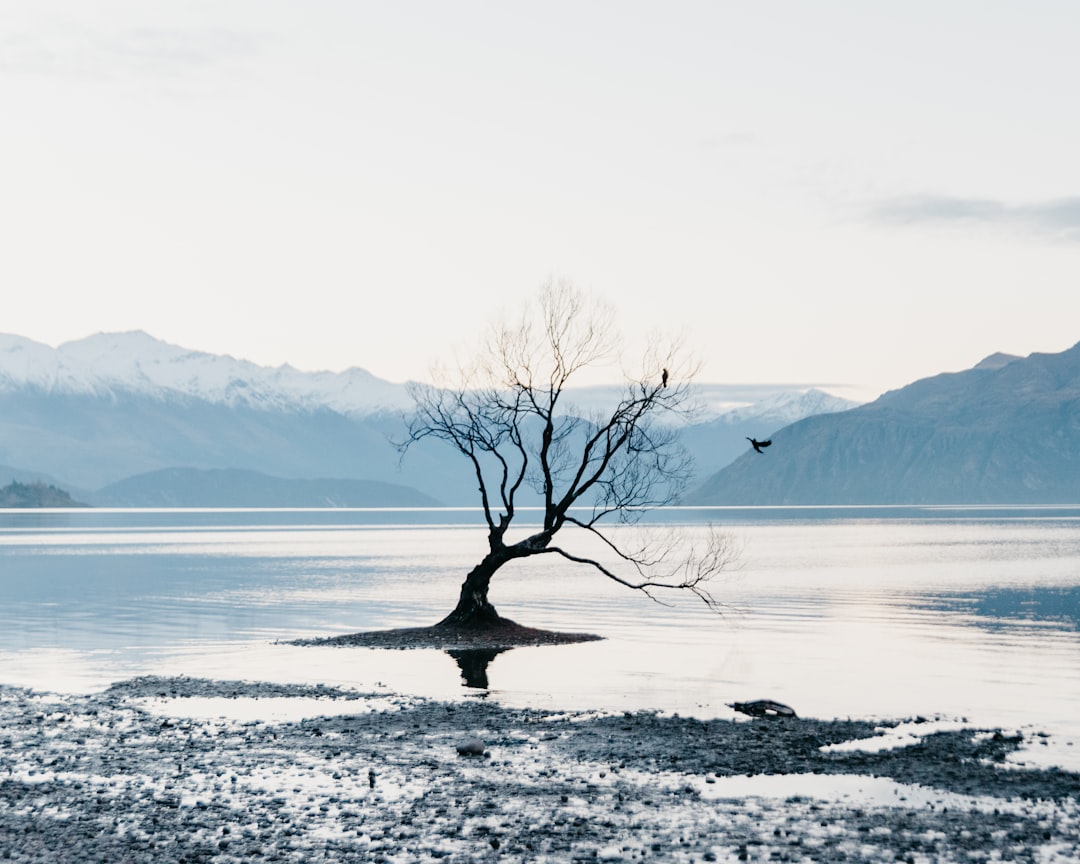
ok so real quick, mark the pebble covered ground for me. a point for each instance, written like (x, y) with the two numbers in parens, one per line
(129, 776)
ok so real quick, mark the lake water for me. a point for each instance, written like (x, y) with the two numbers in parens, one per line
(888, 612)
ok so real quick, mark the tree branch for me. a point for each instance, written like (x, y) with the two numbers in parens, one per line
(615, 465)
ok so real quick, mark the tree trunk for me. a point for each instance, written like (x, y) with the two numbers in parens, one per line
(473, 609)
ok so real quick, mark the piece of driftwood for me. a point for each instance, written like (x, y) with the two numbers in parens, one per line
(763, 708)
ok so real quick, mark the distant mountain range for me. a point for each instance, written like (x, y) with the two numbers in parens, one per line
(127, 420)
(1006, 431)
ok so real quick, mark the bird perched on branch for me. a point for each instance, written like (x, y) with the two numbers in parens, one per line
(663, 378)
(758, 445)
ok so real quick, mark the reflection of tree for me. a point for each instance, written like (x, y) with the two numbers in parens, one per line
(473, 663)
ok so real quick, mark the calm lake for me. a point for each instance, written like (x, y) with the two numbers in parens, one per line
(892, 612)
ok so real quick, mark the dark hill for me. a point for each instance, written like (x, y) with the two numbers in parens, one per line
(191, 487)
(1006, 431)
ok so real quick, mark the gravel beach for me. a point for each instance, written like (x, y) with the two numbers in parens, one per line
(152, 771)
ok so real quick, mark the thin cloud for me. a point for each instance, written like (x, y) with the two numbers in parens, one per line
(181, 49)
(80, 53)
(1058, 218)
(732, 141)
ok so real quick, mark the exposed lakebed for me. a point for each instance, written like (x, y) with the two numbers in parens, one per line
(168, 769)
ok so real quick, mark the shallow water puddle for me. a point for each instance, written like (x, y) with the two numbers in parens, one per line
(276, 709)
(1039, 748)
(856, 790)
(901, 735)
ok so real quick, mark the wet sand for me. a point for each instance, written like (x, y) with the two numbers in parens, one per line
(148, 771)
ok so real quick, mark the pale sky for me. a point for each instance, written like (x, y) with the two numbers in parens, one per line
(849, 193)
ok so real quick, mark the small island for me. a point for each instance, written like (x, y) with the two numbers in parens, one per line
(24, 495)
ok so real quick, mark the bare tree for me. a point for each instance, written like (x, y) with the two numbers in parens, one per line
(509, 415)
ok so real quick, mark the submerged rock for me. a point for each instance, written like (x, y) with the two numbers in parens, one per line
(763, 708)
(471, 747)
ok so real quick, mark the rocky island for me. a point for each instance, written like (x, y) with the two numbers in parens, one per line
(21, 495)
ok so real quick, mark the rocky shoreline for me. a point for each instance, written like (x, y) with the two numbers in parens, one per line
(493, 636)
(131, 775)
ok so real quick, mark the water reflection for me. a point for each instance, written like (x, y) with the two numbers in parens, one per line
(473, 663)
(962, 613)
(999, 608)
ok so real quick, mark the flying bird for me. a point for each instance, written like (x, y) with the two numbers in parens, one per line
(759, 444)
(663, 379)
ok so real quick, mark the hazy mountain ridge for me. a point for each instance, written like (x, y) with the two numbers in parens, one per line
(1004, 431)
(88, 441)
(719, 441)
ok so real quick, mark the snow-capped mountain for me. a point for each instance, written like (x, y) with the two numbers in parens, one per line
(784, 408)
(733, 404)
(136, 363)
